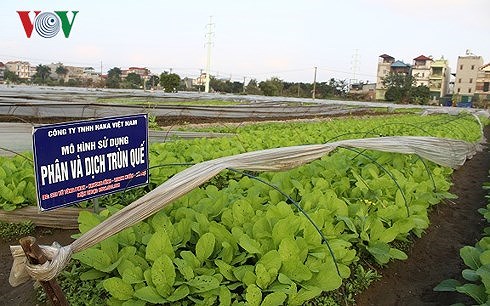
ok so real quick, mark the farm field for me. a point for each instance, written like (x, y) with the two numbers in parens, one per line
(221, 239)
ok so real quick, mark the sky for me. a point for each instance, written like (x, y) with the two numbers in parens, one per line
(256, 39)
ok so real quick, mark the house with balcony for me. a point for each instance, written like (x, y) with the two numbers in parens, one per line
(384, 68)
(22, 69)
(439, 76)
(482, 89)
(421, 70)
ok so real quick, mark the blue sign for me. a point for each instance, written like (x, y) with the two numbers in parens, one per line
(81, 160)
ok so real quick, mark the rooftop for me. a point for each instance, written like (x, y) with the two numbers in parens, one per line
(386, 56)
(422, 58)
(399, 64)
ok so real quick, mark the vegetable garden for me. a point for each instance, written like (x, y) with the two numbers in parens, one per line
(300, 236)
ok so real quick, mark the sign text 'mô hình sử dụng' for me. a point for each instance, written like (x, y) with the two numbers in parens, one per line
(81, 160)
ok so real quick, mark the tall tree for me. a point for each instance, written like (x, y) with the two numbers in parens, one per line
(114, 78)
(133, 80)
(401, 88)
(10, 76)
(153, 81)
(398, 87)
(253, 88)
(170, 81)
(42, 74)
(272, 87)
(61, 71)
(420, 94)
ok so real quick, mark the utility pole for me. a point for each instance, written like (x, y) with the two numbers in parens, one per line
(101, 74)
(209, 43)
(244, 84)
(314, 84)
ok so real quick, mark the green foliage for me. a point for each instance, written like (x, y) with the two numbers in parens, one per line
(420, 94)
(17, 187)
(244, 243)
(272, 86)
(77, 290)
(15, 230)
(114, 77)
(133, 81)
(10, 76)
(42, 74)
(400, 88)
(170, 81)
(477, 275)
(249, 138)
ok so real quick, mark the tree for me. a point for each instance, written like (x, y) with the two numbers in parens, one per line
(169, 81)
(133, 80)
(114, 78)
(252, 88)
(153, 81)
(61, 71)
(420, 94)
(398, 87)
(42, 74)
(272, 87)
(10, 76)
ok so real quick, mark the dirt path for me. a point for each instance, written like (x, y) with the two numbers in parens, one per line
(24, 295)
(435, 257)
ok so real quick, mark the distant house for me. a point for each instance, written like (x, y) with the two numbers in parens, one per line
(466, 75)
(365, 91)
(386, 65)
(439, 77)
(483, 84)
(21, 69)
(200, 80)
(421, 70)
(2, 72)
(187, 82)
(144, 73)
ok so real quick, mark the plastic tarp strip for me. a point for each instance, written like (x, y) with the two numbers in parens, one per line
(446, 152)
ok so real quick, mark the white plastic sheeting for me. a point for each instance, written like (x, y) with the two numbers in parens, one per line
(446, 152)
(82, 103)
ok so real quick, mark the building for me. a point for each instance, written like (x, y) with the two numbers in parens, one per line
(439, 77)
(386, 65)
(2, 72)
(400, 67)
(421, 70)
(200, 80)
(384, 68)
(89, 73)
(483, 85)
(144, 73)
(22, 69)
(466, 74)
(363, 91)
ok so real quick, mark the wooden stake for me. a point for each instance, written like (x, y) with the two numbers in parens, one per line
(35, 255)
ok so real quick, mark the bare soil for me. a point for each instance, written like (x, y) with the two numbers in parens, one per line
(25, 295)
(435, 257)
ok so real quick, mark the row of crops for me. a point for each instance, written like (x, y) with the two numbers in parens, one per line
(261, 238)
(476, 275)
